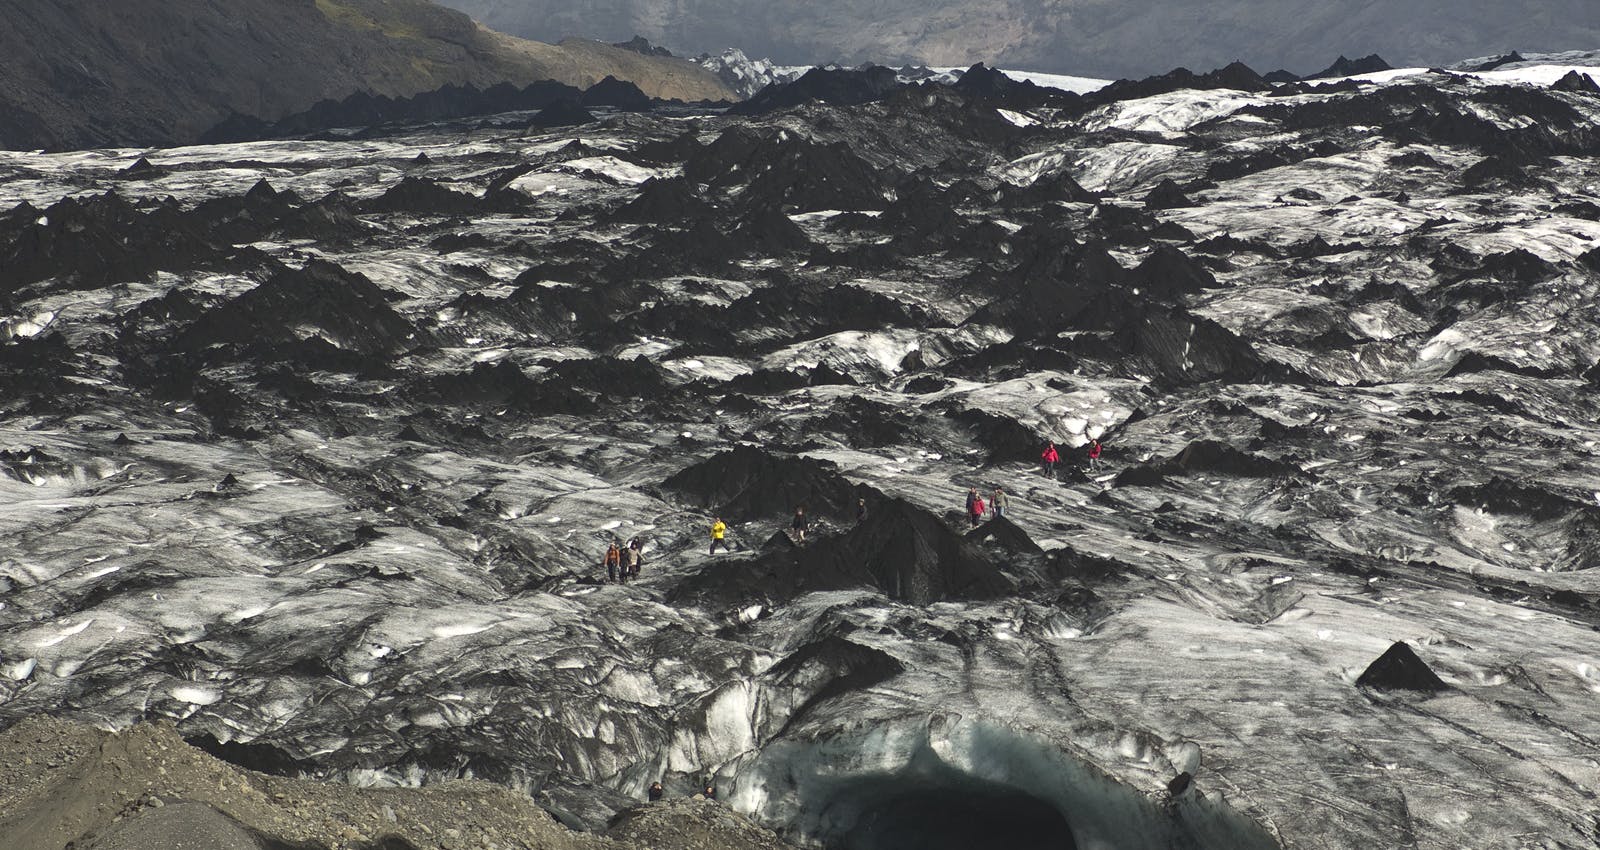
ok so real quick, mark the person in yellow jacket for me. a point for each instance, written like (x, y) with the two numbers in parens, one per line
(717, 530)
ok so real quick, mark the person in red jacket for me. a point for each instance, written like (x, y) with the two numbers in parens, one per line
(1049, 458)
(1094, 455)
(975, 509)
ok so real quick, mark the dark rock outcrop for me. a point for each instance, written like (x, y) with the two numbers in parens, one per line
(616, 94)
(836, 86)
(663, 200)
(1343, 67)
(1166, 195)
(900, 550)
(322, 299)
(1209, 456)
(562, 113)
(747, 482)
(786, 171)
(1235, 76)
(1399, 669)
(830, 667)
(419, 194)
(96, 240)
(1576, 82)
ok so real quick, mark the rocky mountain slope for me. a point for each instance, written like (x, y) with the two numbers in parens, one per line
(1091, 37)
(83, 75)
(312, 447)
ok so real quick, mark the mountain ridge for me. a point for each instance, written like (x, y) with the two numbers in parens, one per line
(160, 73)
(1063, 36)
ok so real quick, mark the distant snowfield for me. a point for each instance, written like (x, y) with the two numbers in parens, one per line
(1081, 85)
(1530, 74)
(1534, 75)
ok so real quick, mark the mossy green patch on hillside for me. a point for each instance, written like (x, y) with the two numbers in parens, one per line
(349, 15)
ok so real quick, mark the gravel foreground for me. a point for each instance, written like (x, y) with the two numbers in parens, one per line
(69, 785)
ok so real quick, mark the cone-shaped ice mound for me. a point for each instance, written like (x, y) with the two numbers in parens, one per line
(1399, 669)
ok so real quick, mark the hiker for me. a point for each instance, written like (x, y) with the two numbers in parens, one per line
(861, 510)
(656, 791)
(799, 524)
(710, 793)
(1049, 458)
(717, 530)
(999, 500)
(1094, 455)
(613, 561)
(976, 509)
(972, 498)
(635, 556)
(630, 561)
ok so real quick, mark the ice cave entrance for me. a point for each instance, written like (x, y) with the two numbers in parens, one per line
(942, 782)
(932, 806)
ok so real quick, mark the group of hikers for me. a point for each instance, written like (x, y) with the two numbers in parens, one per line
(976, 506)
(1050, 457)
(623, 562)
(798, 526)
(999, 500)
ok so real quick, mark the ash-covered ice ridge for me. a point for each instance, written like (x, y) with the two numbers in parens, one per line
(314, 447)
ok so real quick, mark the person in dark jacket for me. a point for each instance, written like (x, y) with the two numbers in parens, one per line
(799, 524)
(656, 791)
(861, 510)
(710, 792)
(972, 497)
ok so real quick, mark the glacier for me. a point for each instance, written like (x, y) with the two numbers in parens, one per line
(315, 445)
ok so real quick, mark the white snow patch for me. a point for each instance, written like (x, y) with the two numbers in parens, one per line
(1016, 118)
(195, 695)
(1171, 113)
(65, 633)
(462, 629)
(21, 670)
(612, 168)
